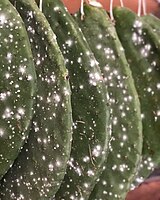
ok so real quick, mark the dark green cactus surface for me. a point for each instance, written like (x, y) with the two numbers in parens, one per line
(89, 104)
(41, 165)
(126, 143)
(79, 101)
(143, 57)
(17, 85)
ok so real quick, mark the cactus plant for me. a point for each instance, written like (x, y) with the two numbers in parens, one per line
(143, 57)
(17, 85)
(40, 167)
(89, 104)
(126, 144)
(61, 74)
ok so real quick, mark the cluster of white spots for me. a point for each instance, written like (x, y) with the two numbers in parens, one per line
(137, 36)
(56, 98)
(29, 77)
(114, 167)
(115, 120)
(137, 24)
(149, 163)
(94, 78)
(30, 14)
(93, 62)
(53, 78)
(9, 57)
(69, 42)
(97, 151)
(22, 69)
(138, 180)
(86, 159)
(20, 113)
(123, 167)
(4, 95)
(8, 113)
(77, 169)
(145, 50)
(109, 53)
(146, 164)
(90, 172)
(56, 8)
(66, 91)
(51, 167)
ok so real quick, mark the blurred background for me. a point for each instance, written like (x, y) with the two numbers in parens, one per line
(152, 6)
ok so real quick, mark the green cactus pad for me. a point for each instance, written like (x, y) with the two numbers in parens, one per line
(126, 143)
(17, 85)
(143, 57)
(40, 168)
(89, 104)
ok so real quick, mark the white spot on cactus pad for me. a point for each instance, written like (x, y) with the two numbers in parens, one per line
(9, 57)
(1, 132)
(2, 19)
(50, 167)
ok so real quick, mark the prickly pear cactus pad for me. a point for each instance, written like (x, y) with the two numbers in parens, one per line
(17, 85)
(126, 142)
(144, 60)
(40, 168)
(89, 104)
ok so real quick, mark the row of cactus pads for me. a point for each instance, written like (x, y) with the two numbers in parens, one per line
(79, 101)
